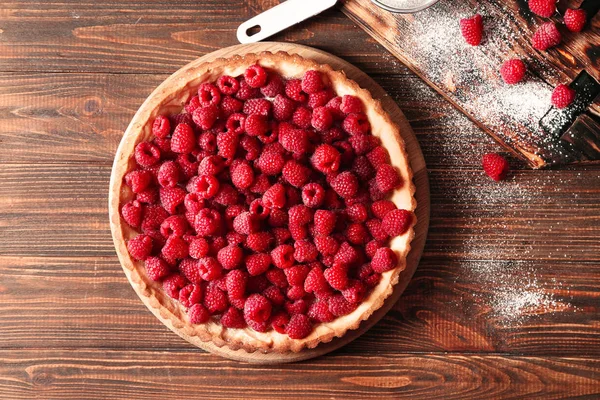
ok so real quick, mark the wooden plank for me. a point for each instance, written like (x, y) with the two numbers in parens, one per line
(156, 36)
(533, 308)
(553, 215)
(52, 374)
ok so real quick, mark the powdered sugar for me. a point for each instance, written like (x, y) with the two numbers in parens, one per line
(407, 5)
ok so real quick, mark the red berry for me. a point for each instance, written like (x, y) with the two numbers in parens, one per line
(170, 198)
(305, 251)
(283, 108)
(260, 242)
(320, 98)
(256, 125)
(270, 162)
(513, 71)
(257, 264)
(198, 314)
(324, 222)
(339, 306)
(575, 20)
(313, 195)
(382, 207)
(326, 245)
(384, 260)
(146, 154)
(190, 295)
(257, 308)
(295, 173)
(296, 275)
(132, 213)
(299, 326)
(215, 300)
(199, 248)
(562, 96)
(397, 222)
(292, 139)
(207, 222)
(319, 311)
(293, 90)
(242, 176)
(140, 247)
(387, 178)
(356, 124)
(173, 284)
(169, 174)
(274, 86)
(227, 143)
(161, 128)
(183, 139)
(355, 292)
(228, 85)
(302, 117)
(321, 119)
(246, 223)
(543, 8)
(546, 36)
(337, 277)
(138, 180)
(495, 166)
(154, 215)
(279, 322)
(175, 225)
(312, 82)
(283, 256)
(345, 185)
(233, 318)
(277, 277)
(257, 107)
(236, 281)
(378, 157)
(326, 159)
(472, 29)
(230, 256)
(256, 76)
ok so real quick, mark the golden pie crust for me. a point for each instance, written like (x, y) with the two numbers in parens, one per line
(169, 98)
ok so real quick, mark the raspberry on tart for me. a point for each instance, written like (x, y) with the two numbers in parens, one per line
(285, 205)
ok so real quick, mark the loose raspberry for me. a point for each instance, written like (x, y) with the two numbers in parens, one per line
(236, 281)
(258, 208)
(242, 176)
(199, 248)
(209, 94)
(146, 154)
(299, 326)
(170, 198)
(387, 178)
(173, 284)
(355, 292)
(299, 232)
(270, 162)
(273, 293)
(169, 174)
(472, 29)
(296, 275)
(260, 242)
(319, 311)
(376, 229)
(278, 218)
(175, 248)
(283, 108)
(230, 106)
(261, 184)
(153, 216)
(384, 260)
(258, 326)
(227, 195)
(546, 36)
(362, 144)
(233, 318)
(382, 207)
(132, 213)
(147, 196)
(397, 222)
(183, 139)
(274, 197)
(357, 212)
(215, 300)
(227, 143)
(283, 256)
(312, 82)
(206, 186)
(256, 125)
(256, 76)
(246, 91)
(161, 128)
(236, 125)
(138, 180)
(282, 235)
(575, 20)
(320, 99)
(277, 277)
(175, 225)
(300, 215)
(543, 8)
(378, 157)
(230, 257)
(257, 308)
(257, 264)
(299, 306)
(274, 86)
(339, 306)
(164, 145)
(495, 166)
(326, 159)
(334, 106)
(562, 96)
(302, 117)
(198, 314)
(313, 195)
(295, 293)
(346, 255)
(190, 295)
(326, 245)
(295, 173)
(257, 107)
(321, 119)
(228, 85)
(315, 281)
(324, 222)
(345, 185)
(357, 234)
(337, 277)
(293, 90)
(209, 269)
(371, 248)
(351, 105)
(188, 164)
(305, 251)
(207, 222)
(292, 139)
(211, 165)
(192, 105)
(362, 168)
(205, 117)
(140, 247)
(513, 71)
(246, 223)
(356, 124)
(280, 321)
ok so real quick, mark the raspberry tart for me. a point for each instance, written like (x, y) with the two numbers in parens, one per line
(262, 202)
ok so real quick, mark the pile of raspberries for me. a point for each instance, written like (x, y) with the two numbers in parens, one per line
(264, 204)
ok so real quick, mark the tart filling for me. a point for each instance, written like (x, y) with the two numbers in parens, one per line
(265, 202)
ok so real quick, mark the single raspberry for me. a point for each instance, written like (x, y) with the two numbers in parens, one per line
(513, 71)
(299, 215)
(215, 300)
(376, 229)
(257, 308)
(382, 207)
(324, 222)
(138, 180)
(256, 76)
(170, 198)
(365, 270)
(256, 125)
(326, 245)
(140, 247)
(292, 139)
(164, 145)
(183, 139)
(319, 311)
(293, 90)
(277, 277)
(175, 248)
(356, 124)
(153, 216)
(209, 269)
(282, 235)
(260, 242)
(295, 292)
(258, 326)
(562, 96)
(175, 225)
(355, 292)
(321, 119)
(230, 256)
(283, 108)
(357, 234)
(378, 157)
(236, 281)
(261, 184)
(326, 159)
(345, 185)
(217, 244)
(315, 281)
(236, 124)
(246, 223)
(374, 193)
(273, 293)
(312, 82)
(274, 86)
(543, 8)
(397, 222)
(228, 85)
(302, 117)
(278, 218)
(270, 162)
(339, 306)
(295, 173)
(148, 196)
(230, 106)
(207, 222)
(472, 29)
(546, 36)
(351, 105)
(283, 256)
(305, 251)
(346, 255)
(371, 248)
(192, 105)
(271, 135)
(313, 195)
(227, 143)
(173, 284)
(298, 232)
(257, 264)
(299, 306)
(146, 154)
(188, 164)
(320, 99)
(299, 326)
(296, 275)
(280, 321)
(357, 212)
(337, 277)
(132, 213)
(205, 117)
(190, 295)
(234, 238)
(334, 105)
(206, 187)
(246, 91)
(384, 260)
(362, 144)
(495, 166)
(575, 20)
(209, 94)
(161, 128)
(199, 248)
(227, 195)
(198, 314)
(233, 318)
(169, 174)
(362, 168)
(257, 107)
(242, 176)
(387, 178)
(274, 197)
(183, 118)
(211, 165)
(258, 208)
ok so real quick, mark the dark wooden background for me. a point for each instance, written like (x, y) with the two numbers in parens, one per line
(504, 304)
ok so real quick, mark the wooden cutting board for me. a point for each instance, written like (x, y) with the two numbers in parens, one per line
(520, 117)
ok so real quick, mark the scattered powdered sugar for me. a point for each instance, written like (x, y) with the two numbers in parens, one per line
(406, 5)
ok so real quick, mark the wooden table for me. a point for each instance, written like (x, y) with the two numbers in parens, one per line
(504, 304)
